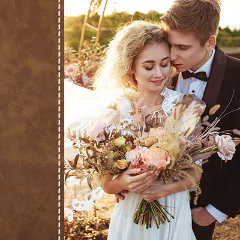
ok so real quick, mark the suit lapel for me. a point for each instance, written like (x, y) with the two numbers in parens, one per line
(216, 77)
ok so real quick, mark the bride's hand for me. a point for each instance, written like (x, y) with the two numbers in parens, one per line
(160, 189)
(157, 190)
(132, 181)
(120, 195)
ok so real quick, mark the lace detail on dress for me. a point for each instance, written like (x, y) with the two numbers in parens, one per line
(171, 98)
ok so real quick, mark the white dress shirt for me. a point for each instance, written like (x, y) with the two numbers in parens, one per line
(195, 86)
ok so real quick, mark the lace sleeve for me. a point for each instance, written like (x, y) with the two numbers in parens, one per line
(171, 98)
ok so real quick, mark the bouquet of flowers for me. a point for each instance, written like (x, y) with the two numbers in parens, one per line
(168, 145)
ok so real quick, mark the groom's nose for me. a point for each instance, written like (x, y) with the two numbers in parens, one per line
(173, 55)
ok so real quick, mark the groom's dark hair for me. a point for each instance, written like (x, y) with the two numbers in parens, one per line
(199, 16)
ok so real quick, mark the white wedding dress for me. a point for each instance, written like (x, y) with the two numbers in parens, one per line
(80, 107)
(122, 226)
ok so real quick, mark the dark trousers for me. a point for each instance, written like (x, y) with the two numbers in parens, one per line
(203, 233)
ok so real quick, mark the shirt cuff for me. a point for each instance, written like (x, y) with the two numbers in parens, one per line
(218, 215)
(199, 162)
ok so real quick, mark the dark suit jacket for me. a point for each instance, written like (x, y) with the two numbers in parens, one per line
(220, 183)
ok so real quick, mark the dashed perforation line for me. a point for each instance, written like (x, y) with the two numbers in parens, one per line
(59, 121)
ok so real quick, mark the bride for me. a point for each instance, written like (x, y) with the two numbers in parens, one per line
(138, 58)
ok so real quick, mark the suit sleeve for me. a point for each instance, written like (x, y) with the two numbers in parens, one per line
(226, 198)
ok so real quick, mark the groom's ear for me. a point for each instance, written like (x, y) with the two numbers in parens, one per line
(211, 43)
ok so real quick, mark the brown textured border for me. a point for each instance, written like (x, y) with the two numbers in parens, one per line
(30, 207)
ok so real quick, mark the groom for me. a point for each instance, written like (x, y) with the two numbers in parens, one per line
(204, 70)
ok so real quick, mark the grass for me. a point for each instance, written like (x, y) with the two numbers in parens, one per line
(231, 49)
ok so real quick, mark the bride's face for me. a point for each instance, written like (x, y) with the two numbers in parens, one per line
(152, 67)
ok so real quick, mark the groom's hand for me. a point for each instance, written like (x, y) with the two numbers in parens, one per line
(202, 217)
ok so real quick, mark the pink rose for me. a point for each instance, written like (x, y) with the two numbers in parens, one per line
(135, 155)
(69, 70)
(86, 80)
(157, 157)
(97, 129)
(226, 147)
(157, 132)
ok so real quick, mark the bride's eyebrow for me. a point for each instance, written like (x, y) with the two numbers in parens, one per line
(152, 61)
(165, 59)
(148, 61)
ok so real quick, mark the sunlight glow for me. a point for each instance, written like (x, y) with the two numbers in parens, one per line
(83, 104)
(230, 8)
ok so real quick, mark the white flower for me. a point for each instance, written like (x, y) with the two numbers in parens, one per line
(97, 193)
(72, 180)
(69, 214)
(131, 156)
(88, 202)
(226, 147)
(85, 205)
(127, 132)
(77, 205)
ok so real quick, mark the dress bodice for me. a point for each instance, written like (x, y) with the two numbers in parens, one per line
(171, 98)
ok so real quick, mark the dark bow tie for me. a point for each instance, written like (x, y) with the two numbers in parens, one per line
(200, 75)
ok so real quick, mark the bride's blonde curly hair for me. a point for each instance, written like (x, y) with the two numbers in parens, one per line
(127, 44)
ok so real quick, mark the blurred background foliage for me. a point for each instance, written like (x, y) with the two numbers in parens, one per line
(73, 25)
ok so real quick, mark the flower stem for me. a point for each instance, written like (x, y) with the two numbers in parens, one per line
(147, 212)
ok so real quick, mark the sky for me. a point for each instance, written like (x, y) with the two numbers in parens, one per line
(230, 15)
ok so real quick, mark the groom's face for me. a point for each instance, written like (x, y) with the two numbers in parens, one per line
(186, 51)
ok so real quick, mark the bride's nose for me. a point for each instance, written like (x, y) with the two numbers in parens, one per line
(158, 72)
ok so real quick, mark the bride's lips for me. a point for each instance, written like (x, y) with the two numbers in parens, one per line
(157, 82)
